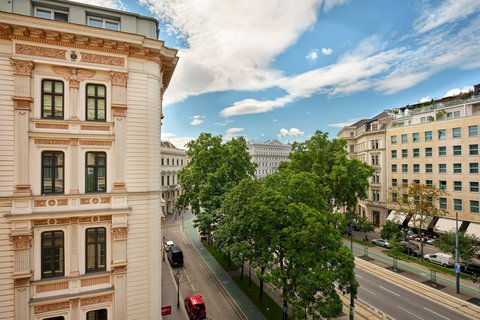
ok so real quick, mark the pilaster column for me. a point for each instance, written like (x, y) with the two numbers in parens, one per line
(73, 247)
(22, 243)
(22, 100)
(119, 268)
(119, 113)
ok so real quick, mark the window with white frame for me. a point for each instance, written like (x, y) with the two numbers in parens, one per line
(103, 23)
(52, 14)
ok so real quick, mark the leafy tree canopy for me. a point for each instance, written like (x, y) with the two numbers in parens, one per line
(390, 230)
(214, 168)
(466, 244)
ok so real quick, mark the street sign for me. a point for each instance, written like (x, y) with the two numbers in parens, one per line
(457, 268)
(166, 310)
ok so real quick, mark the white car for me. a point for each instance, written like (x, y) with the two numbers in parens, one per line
(168, 244)
(381, 242)
(443, 259)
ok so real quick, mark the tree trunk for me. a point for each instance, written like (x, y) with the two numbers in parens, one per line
(249, 275)
(241, 272)
(261, 282)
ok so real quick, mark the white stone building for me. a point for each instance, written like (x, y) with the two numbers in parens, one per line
(173, 159)
(268, 156)
(81, 91)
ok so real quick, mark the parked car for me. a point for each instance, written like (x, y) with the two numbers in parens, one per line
(167, 244)
(195, 307)
(175, 256)
(471, 268)
(443, 259)
(410, 248)
(381, 242)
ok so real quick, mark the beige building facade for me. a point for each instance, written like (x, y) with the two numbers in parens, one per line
(81, 91)
(366, 142)
(173, 159)
(437, 143)
(268, 156)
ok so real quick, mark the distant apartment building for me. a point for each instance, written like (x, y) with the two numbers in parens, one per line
(366, 142)
(268, 156)
(80, 195)
(173, 159)
(437, 143)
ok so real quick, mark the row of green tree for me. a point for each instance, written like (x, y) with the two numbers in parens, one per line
(287, 225)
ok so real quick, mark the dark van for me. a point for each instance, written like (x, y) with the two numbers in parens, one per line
(175, 256)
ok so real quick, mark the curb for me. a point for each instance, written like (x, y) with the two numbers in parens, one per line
(421, 289)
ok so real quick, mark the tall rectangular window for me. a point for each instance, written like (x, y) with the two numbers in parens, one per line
(428, 152)
(428, 135)
(96, 249)
(394, 154)
(442, 168)
(442, 184)
(96, 102)
(100, 314)
(474, 206)
(394, 182)
(96, 172)
(443, 203)
(52, 254)
(473, 167)
(416, 153)
(404, 153)
(404, 182)
(429, 168)
(457, 204)
(457, 185)
(457, 150)
(404, 168)
(416, 167)
(394, 168)
(415, 137)
(442, 151)
(404, 138)
(474, 186)
(429, 183)
(393, 139)
(442, 134)
(473, 149)
(52, 99)
(473, 131)
(52, 172)
(457, 168)
(457, 132)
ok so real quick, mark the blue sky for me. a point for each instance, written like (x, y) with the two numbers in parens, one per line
(284, 69)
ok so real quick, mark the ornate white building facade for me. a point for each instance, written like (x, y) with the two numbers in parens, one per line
(173, 159)
(80, 196)
(268, 156)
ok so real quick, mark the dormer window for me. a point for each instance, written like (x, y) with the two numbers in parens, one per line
(52, 14)
(103, 23)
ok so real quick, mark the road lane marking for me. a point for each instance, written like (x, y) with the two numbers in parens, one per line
(362, 288)
(413, 314)
(359, 276)
(436, 313)
(390, 291)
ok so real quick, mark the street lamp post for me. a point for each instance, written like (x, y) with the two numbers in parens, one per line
(352, 300)
(457, 265)
(177, 277)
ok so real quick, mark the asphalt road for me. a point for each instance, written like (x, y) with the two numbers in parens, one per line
(194, 279)
(399, 303)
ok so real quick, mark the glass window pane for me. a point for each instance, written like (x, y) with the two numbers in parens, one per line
(91, 90)
(60, 16)
(47, 86)
(111, 25)
(58, 87)
(94, 22)
(43, 13)
(101, 91)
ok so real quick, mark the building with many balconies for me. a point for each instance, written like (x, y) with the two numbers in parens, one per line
(80, 195)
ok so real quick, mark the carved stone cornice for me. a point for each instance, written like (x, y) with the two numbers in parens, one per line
(22, 67)
(21, 241)
(22, 103)
(73, 75)
(119, 233)
(51, 307)
(119, 78)
(40, 51)
(96, 300)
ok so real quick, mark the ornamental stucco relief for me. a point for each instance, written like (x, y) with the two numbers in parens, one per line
(22, 67)
(20, 242)
(40, 51)
(73, 75)
(119, 233)
(119, 78)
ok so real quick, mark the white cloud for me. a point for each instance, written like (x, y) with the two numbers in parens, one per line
(226, 41)
(196, 120)
(343, 124)
(450, 11)
(232, 132)
(113, 4)
(168, 135)
(312, 55)
(425, 99)
(293, 132)
(249, 106)
(274, 120)
(457, 91)
(327, 51)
